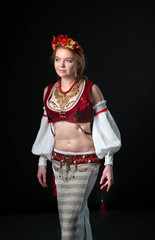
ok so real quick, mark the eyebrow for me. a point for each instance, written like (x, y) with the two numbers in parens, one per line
(65, 58)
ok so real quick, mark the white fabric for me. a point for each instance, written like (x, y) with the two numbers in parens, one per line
(83, 218)
(44, 141)
(42, 161)
(74, 153)
(105, 133)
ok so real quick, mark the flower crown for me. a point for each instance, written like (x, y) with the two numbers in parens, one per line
(64, 41)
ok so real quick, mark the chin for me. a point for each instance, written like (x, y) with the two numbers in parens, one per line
(62, 74)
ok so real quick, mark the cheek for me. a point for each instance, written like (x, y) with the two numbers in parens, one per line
(72, 67)
(56, 66)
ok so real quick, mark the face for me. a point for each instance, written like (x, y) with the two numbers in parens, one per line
(65, 63)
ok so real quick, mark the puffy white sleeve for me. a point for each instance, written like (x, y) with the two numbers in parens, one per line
(44, 141)
(105, 133)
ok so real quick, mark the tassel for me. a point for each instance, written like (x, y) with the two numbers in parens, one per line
(102, 207)
(54, 187)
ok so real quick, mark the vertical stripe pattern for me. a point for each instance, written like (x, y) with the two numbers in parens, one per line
(70, 195)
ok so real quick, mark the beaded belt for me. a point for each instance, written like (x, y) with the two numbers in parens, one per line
(73, 159)
(77, 159)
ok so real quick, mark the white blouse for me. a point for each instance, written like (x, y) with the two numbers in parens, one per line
(105, 133)
(44, 141)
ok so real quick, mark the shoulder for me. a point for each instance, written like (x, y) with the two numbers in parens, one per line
(96, 94)
(47, 89)
(94, 87)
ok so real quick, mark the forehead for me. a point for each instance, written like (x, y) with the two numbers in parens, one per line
(64, 53)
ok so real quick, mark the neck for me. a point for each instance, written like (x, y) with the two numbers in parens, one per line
(67, 81)
(68, 90)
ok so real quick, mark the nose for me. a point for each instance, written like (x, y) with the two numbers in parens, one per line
(62, 63)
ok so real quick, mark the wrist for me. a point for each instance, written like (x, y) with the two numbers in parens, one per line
(109, 165)
(108, 159)
(42, 161)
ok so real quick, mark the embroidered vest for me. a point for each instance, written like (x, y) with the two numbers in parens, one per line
(79, 112)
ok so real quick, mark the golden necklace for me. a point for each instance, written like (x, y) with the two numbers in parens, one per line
(64, 97)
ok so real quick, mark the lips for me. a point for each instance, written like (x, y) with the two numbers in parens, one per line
(62, 70)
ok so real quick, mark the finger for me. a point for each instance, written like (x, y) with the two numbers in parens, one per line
(102, 180)
(108, 187)
(104, 185)
(110, 184)
(44, 179)
(41, 181)
(103, 188)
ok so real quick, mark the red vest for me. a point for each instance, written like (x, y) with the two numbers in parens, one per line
(80, 111)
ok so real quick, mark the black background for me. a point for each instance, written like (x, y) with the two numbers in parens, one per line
(119, 44)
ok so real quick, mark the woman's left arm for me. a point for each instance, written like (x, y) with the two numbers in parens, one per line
(106, 136)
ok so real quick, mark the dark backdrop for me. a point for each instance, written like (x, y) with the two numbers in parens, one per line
(119, 45)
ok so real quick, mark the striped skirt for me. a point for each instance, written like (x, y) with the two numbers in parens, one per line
(73, 191)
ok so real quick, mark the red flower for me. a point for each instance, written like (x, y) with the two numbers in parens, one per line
(54, 41)
(60, 36)
(75, 46)
(66, 42)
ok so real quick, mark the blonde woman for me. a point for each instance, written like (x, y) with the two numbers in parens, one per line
(77, 131)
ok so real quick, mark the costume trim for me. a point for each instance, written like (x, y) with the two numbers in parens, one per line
(78, 159)
(69, 108)
(101, 111)
(73, 153)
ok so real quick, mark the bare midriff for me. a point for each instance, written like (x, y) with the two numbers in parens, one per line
(69, 137)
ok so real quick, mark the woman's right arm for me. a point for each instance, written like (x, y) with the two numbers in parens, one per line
(43, 146)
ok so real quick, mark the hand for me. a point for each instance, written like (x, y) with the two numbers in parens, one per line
(108, 176)
(41, 175)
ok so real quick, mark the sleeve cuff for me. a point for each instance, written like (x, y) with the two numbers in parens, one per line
(42, 161)
(108, 159)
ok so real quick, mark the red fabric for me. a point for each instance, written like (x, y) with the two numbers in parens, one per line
(78, 159)
(81, 112)
(54, 186)
(101, 111)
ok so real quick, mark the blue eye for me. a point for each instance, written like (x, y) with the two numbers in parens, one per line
(56, 59)
(69, 60)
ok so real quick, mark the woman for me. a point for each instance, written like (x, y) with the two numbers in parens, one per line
(77, 131)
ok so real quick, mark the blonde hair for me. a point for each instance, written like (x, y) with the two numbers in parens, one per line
(79, 59)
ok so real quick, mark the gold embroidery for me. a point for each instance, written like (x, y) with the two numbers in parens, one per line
(63, 98)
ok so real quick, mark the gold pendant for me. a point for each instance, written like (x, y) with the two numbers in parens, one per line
(68, 160)
(63, 98)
